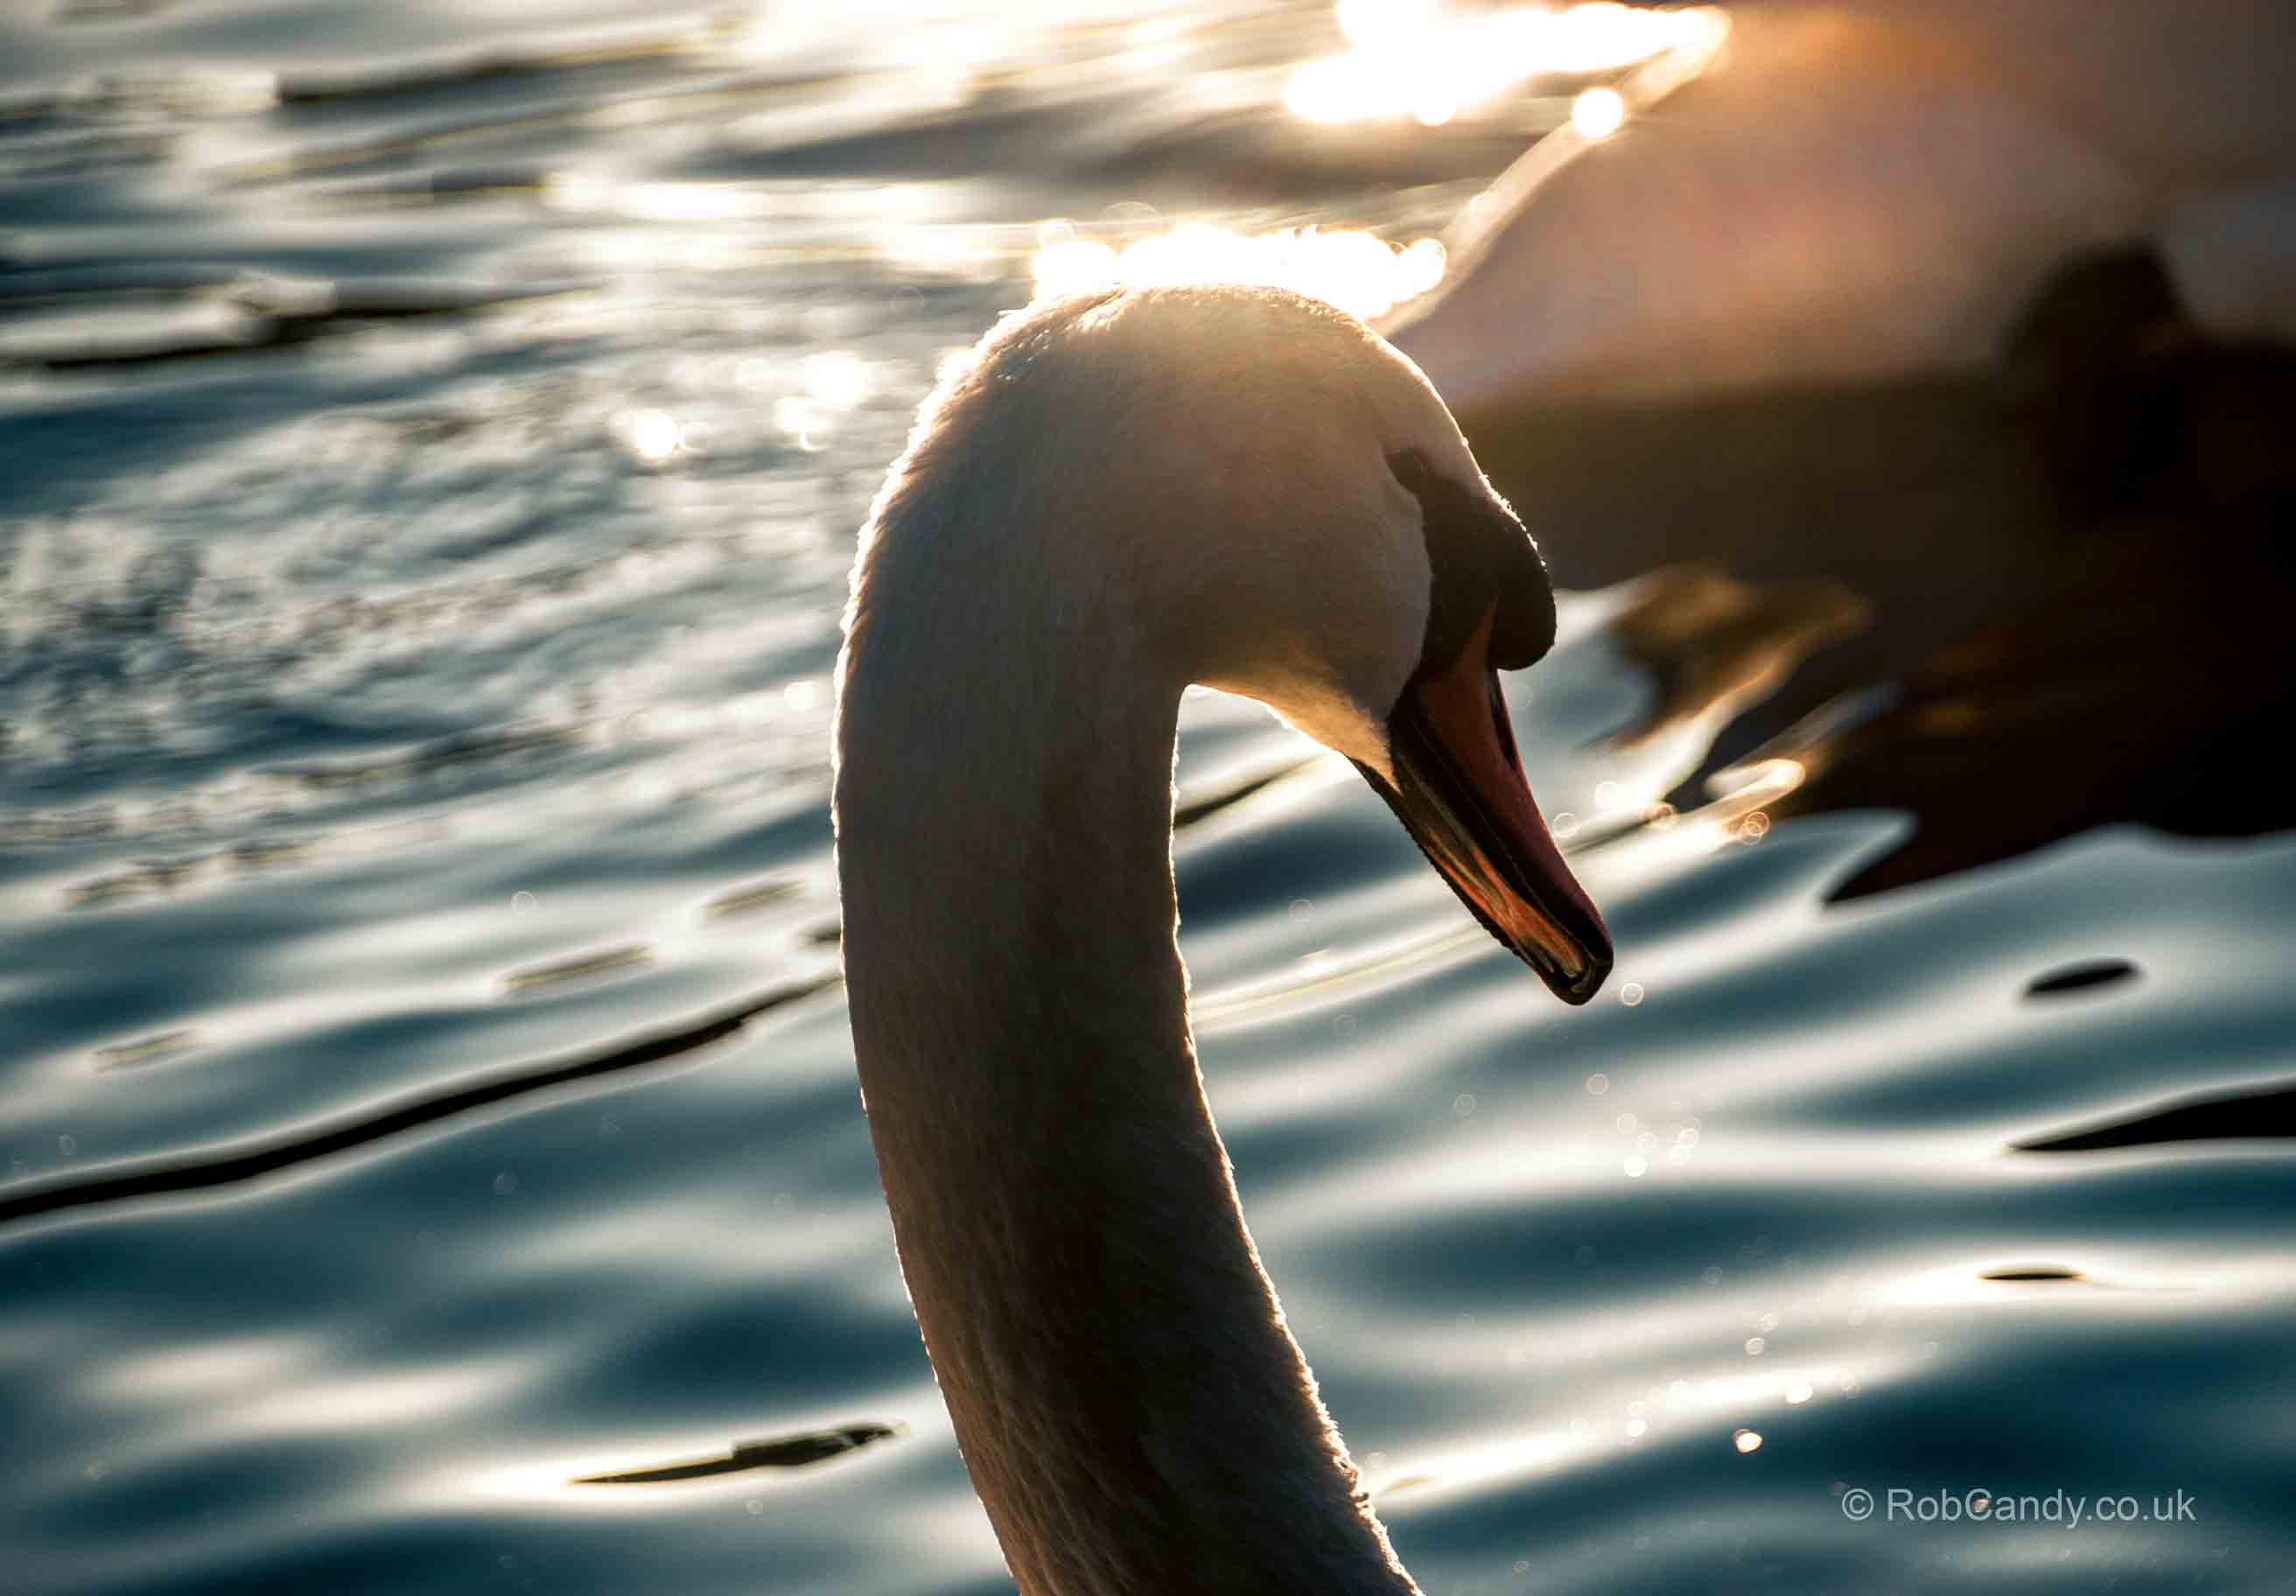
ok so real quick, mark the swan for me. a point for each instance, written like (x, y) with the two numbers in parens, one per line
(1122, 494)
(1865, 190)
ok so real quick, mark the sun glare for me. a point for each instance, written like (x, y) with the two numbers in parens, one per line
(1357, 272)
(1407, 58)
(1598, 113)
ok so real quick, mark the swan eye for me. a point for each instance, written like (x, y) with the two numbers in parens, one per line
(1480, 558)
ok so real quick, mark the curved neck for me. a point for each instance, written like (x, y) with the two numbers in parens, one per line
(1134, 1414)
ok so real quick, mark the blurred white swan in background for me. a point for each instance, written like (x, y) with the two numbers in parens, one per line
(1123, 494)
(1861, 190)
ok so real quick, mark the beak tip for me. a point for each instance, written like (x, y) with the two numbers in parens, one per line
(1580, 990)
(1577, 979)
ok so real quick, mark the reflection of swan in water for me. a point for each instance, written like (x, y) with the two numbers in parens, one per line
(1123, 494)
(1976, 313)
(1861, 190)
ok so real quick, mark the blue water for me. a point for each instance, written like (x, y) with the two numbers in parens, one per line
(444, 696)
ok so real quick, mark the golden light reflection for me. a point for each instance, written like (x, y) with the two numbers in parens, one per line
(1358, 272)
(835, 384)
(838, 380)
(588, 193)
(1373, 24)
(1598, 113)
(1737, 813)
(1685, 1407)
(651, 435)
(1408, 59)
(1742, 790)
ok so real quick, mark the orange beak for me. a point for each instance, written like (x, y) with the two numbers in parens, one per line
(1459, 790)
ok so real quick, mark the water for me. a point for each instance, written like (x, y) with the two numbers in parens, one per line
(407, 704)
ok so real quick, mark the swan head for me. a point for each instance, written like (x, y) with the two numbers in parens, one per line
(1251, 490)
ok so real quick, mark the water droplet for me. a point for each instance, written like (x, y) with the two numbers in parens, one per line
(754, 1505)
(1597, 1084)
(506, 1183)
(1631, 994)
(1798, 1393)
(1754, 1344)
(521, 902)
(1636, 1167)
(1745, 1440)
(1626, 1124)
(1464, 1105)
(67, 1145)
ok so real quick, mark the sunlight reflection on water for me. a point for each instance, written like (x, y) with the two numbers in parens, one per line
(1409, 61)
(1353, 271)
(422, 695)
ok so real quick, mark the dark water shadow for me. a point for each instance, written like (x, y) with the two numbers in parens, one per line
(785, 1451)
(1194, 807)
(257, 1157)
(270, 321)
(2081, 977)
(2263, 1115)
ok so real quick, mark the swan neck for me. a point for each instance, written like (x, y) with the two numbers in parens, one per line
(1135, 1415)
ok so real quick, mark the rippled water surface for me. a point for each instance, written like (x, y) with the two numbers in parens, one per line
(429, 453)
